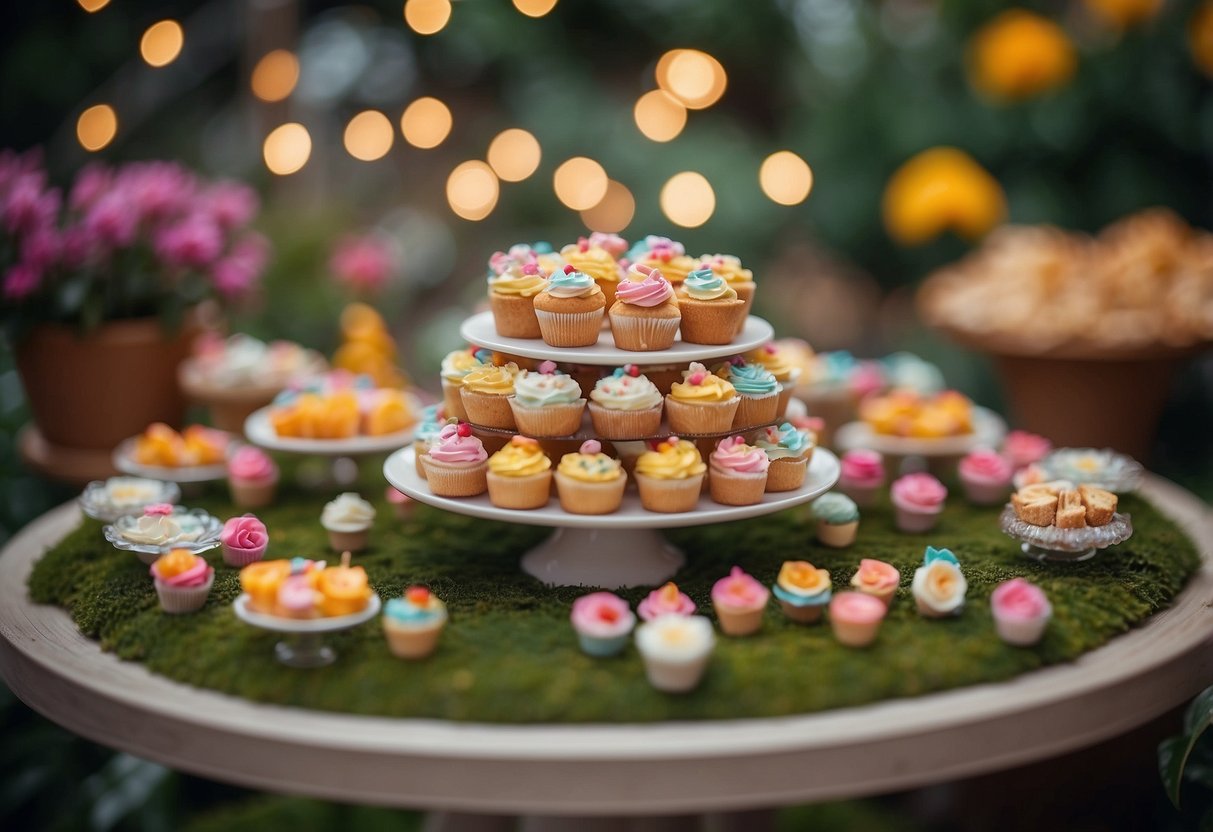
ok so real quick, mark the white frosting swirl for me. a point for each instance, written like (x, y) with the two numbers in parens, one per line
(348, 513)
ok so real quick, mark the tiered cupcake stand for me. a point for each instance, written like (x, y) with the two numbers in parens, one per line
(623, 548)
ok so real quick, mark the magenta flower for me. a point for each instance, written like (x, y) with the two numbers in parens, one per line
(363, 263)
(236, 275)
(27, 206)
(41, 248)
(111, 222)
(231, 204)
(91, 183)
(194, 242)
(20, 281)
(157, 190)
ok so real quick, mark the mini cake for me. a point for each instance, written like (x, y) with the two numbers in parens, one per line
(776, 360)
(1024, 449)
(570, 309)
(456, 464)
(757, 393)
(261, 580)
(855, 618)
(520, 475)
(413, 623)
(589, 481)
(702, 403)
(664, 254)
(119, 496)
(297, 598)
(675, 650)
(385, 412)
(906, 413)
(160, 446)
(939, 586)
(670, 476)
(878, 579)
(511, 299)
(603, 622)
(348, 521)
(252, 477)
(344, 589)
(588, 255)
(667, 600)
(789, 449)
(918, 501)
(739, 601)
(837, 519)
(739, 280)
(711, 310)
(625, 405)
(432, 420)
(486, 393)
(802, 590)
(1021, 612)
(645, 316)
(986, 477)
(183, 581)
(862, 476)
(455, 366)
(244, 541)
(738, 472)
(546, 403)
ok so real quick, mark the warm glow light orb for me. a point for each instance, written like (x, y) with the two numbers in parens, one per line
(427, 17)
(162, 42)
(580, 183)
(534, 8)
(369, 136)
(687, 199)
(694, 78)
(614, 212)
(514, 154)
(472, 190)
(287, 148)
(91, 6)
(659, 115)
(426, 123)
(275, 75)
(785, 178)
(96, 127)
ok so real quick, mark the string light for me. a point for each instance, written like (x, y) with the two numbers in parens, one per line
(614, 212)
(659, 115)
(694, 78)
(96, 127)
(369, 136)
(427, 17)
(472, 190)
(785, 178)
(92, 6)
(580, 183)
(287, 148)
(275, 75)
(687, 199)
(162, 42)
(534, 8)
(426, 123)
(514, 154)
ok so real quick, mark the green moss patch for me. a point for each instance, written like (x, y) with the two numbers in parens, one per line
(509, 654)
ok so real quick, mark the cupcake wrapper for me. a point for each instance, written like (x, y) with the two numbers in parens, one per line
(452, 400)
(349, 541)
(855, 634)
(700, 417)
(570, 329)
(675, 677)
(786, 473)
(736, 622)
(514, 316)
(914, 522)
(419, 447)
(488, 410)
(412, 642)
(986, 493)
(240, 558)
(669, 496)
(785, 396)
(455, 481)
(643, 334)
(710, 322)
(625, 424)
(252, 494)
(755, 410)
(804, 614)
(734, 489)
(548, 422)
(837, 535)
(1020, 633)
(176, 600)
(602, 647)
(520, 492)
(745, 292)
(577, 497)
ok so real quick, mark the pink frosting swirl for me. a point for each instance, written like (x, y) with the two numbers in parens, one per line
(863, 467)
(651, 289)
(666, 601)
(737, 589)
(196, 575)
(733, 454)
(1020, 600)
(1024, 448)
(856, 608)
(984, 465)
(456, 444)
(868, 378)
(612, 244)
(921, 490)
(602, 614)
(244, 534)
(249, 463)
(875, 576)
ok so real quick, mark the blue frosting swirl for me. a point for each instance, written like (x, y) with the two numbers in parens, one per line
(751, 379)
(835, 509)
(406, 612)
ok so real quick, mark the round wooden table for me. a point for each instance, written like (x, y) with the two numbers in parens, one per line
(668, 768)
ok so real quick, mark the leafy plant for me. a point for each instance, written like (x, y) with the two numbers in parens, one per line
(1189, 756)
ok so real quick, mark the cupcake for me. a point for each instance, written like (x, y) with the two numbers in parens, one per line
(588, 256)
(876, 578)
(546, 403)
(589, 481)
(456, 464)
(603, 622)
(1024, 449)
(520, 475)
(348, 521)
(701, 403)
(252, 477)
(645, 316)
(344, 589)
(757, 393)
(855, 618)
(520, 254)
(739, 280)
(667, 600)
(985, 477)
(711, 310)
(183, 580)
(664, 254)
(261, 580)
(918, 500)
(738, 472)
(739, 601)
(675, 650)
(862, 476)
(837, 519)
(486, 393)
(244, 540)
(777, 361)
(512, 297)
(402, 504)
(789, 449)
(1021, 612)
(413, 623)
(802, 590)
(625, 405)
(455, 366)
(297, 598)
(939, 586)
(670, 476)
(432, 420)
(570, 309)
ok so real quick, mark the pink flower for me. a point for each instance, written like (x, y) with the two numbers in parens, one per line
(363, 263)
(21, 281)
(111, 221)
(231, 204)
(157, 190)
(40, 248)
(244, 534)
(77, 245)
(27, 206)
(91, 184)
(195, 242)
(236, 275)
(14, 165)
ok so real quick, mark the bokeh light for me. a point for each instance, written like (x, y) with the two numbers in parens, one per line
(535, 8)
(472, 190)
(687, 199)
(694, 78)
(580, 183)
(275, 75)
(96, 127)
(369, 135)
(614, 212)
(659, 115)
(287, 148)
(91, 6)
(426, 17)
(426, 123)
(785, 178)
(162, 42)
(514, 154)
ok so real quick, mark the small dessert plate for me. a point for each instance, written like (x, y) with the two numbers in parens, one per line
(1049, 543)
(989, 429)
(302, 646)
(100, 499)
(260, 431)
(124, 461)
(1107, 469)
(202, 538)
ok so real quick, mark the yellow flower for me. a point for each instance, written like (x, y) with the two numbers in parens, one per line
(1122, 14)
(938, 190)
(1020, 54)
(1200, 38)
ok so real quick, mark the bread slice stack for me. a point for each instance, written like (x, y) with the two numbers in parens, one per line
(1055, 504)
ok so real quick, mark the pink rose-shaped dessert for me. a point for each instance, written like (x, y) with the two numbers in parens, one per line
(986, 477)
(665, 601)
(603, 622)
(1021, 611)
(739, 472)
(645, 286)
(1023, 448)
(252, 477)
(876, 578)
(244, 540)
(855, 618)
(918, 500)
(183, 580)
(739, 600)
(862, 476)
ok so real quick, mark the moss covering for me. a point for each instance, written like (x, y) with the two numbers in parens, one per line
(509, 654)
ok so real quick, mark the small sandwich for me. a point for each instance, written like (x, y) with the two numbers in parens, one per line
(1100, 504)
(1035, 506)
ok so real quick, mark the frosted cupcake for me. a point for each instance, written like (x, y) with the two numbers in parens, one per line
(603, 622)
(667, 600)
(570, 309)
(670, 476)
(757, 393)
(665, 254)
(486, 393)
(547, 403)
(413, 623)
(402, 504)
(252, 477)
(862, 476)
(244, 540)
(739, 601)
(589, 481)
(789, 449)
(348, 521)
(511, 298)
(645, 316)
(939, 586)
(855, 618)
(432, 420)
(738, 472)
(837, 519)
(985, 477)
(675, 650)
(1023, 449)
(183, 581)
(456, 464)
(711, 310)
(1021, 612)
(878, 579)
(625, 405)
(455, 366)
(702, 403)
(520, 475)
(918, 501)
(587, 255)
(740, 280)
(802, 590)
(777, 361)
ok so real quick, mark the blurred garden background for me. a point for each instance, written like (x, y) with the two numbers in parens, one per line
(843, 149)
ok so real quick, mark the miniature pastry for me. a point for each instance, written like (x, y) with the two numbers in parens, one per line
(918, 500)
(588, 255)
(802, 590)
(739, 601)
(252, 477)
(385, 412)
(906, 413)
(160, 525)
(789, 450)
(603, 622)
(183, 580)
(712, 313)
(162, 447)
(667, 600)
(757, 392)
(985, 477)
(244, 541)
(570, 309)
(1071, 513)
(546, 403)
(512, 297)
(1036, 504)
(862, 476)
(520, 475)
(367, 348)
(297, 597)
(939, 586)
(670, 476)
(738, 472)
(702, 403)
(664, 254)
(775, 358)
(625, 405)
(645, 315)
(855, 618)
(1100, 504)
(348, 521)
(675, 650)
(1021, 612)
(741, 280)
(486, 393)
(589, 481)
(455, 366)
(344, 589)
(456, 464)
(1024, 449)
(413, 623)
(837, 519)
(260, 581)
(402, 504)
(432, 420)
(878, 579)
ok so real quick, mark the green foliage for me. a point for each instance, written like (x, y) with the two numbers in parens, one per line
(1175, 752)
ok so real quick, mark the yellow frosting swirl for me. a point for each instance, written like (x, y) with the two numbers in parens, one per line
(496, 381)
(802, 578)
(596, 262)
(517, 283)
(675, 269)
(699, 385)
(522, 457)
(678, 460)
(585, 467)
(775, 361)
(728, 267)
